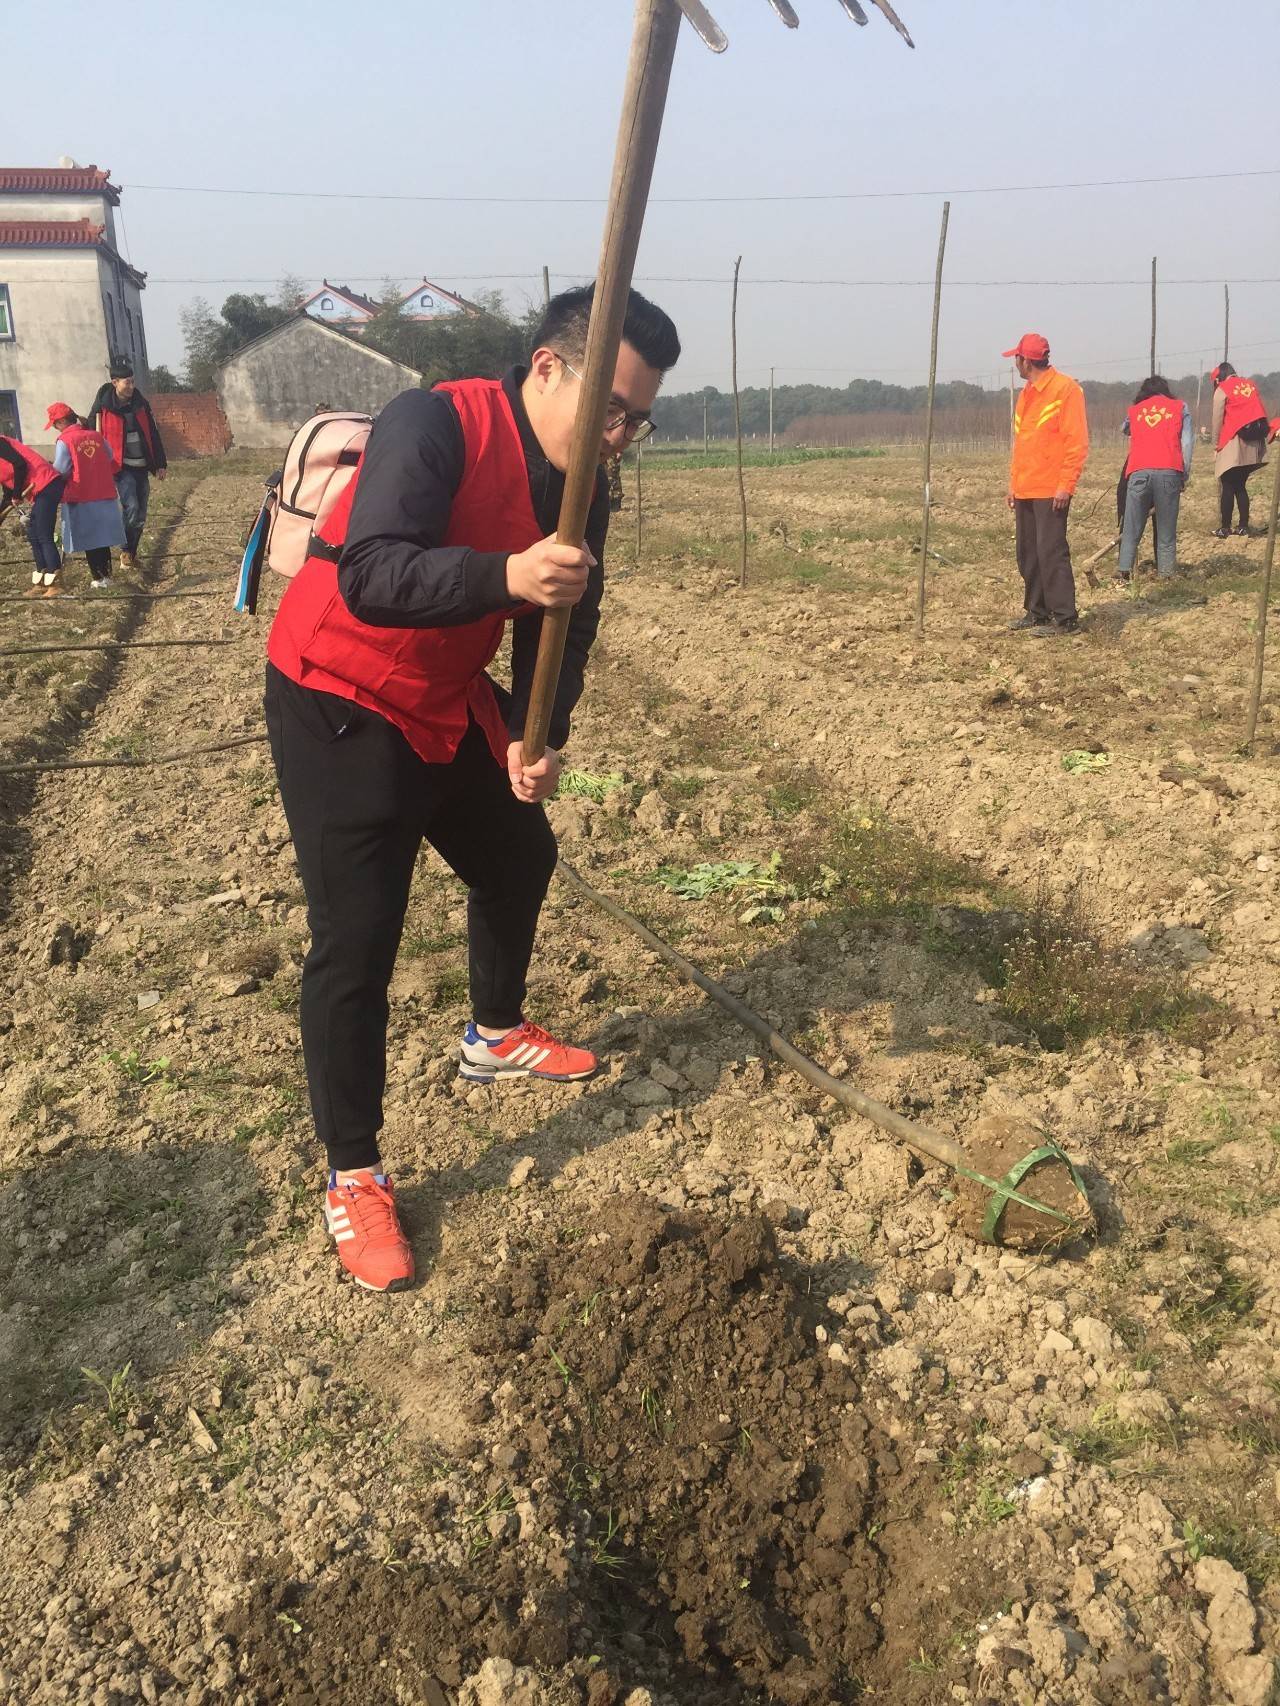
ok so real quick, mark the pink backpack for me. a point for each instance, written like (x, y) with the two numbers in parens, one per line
(318, 467)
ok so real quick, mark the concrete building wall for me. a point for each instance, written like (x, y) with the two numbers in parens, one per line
(122, 313)
(276, 383)
(59, 348)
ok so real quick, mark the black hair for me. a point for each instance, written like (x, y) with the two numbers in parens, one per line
(1153, 387)
(1036, 364)
(650, 332)
(1225, 371)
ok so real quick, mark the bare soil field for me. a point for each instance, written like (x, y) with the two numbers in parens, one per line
(704, 1395)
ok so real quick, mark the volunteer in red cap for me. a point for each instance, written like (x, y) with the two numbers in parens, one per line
(91, 518)
(1050, 447)
(1240, 433)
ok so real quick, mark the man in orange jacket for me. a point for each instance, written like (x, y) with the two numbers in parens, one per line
(1050, 447)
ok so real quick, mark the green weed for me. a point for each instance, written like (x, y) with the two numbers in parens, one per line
(583, 785)
(131, 1067)
(116, 1392)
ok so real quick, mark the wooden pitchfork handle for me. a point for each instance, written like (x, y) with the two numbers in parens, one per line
(653, 46)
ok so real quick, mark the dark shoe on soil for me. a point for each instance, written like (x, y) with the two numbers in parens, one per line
(1025, 624)
(1047, 630)
(1122, 577)
(1221, 533)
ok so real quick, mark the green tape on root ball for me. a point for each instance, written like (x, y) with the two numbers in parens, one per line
(1030, 1197)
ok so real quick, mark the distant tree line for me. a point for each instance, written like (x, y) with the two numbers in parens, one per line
(866, 410)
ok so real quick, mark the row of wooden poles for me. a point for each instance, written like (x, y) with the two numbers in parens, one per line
(1264, 594)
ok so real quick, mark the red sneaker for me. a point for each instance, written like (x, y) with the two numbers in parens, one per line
(525, 1052)
(362, 1220)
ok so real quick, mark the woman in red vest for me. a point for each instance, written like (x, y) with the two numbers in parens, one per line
(387, 731)
(91, 518)
(25, 473)
(1161, 439)
(1240, 432)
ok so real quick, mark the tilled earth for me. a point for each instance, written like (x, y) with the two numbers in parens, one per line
(704, 1395)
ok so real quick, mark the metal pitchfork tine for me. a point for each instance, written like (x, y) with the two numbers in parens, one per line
(717, 41)
(653, 46)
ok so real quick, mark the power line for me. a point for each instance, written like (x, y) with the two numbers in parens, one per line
(727, 279)
(685, 200)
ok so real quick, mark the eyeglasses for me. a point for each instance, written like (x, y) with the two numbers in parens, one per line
(637, 425)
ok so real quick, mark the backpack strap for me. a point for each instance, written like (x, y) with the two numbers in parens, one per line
(322, 548)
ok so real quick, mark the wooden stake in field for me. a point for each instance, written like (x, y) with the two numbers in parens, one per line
(546, 287)
(706, 442)
(1264, 598)
(737, 418)
(928, 420)
(771, 411)
(653, 46)
(1199, 383)
(1152, 368)
(639, 502)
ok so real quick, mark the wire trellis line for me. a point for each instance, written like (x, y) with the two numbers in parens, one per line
(31, 769)
(107, 646)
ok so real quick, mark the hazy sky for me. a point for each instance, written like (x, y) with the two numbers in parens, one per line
(519, 98)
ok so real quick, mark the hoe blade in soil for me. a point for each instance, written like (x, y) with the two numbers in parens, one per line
(717, 41)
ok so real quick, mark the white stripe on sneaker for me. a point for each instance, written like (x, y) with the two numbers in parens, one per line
(517, 1055)
(538, 1058)
(341, 1237)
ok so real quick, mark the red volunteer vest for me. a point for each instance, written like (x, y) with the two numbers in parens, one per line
(111, 426)
(93, 473)
(39, 472)
(424, 680)
(1244, 404)
(1155, 434)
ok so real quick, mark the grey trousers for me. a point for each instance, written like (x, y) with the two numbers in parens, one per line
(1044, 560)
(1161, 489)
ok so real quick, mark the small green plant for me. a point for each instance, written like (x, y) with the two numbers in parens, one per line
(652, 1415)
(589, 1305)
(566, 1373)
(603, 1557)
(1081, 763)
(583, 785)
(131, 1067)
(115, 1389)
(760, 883)
(1195, 1540)
(476, 1522)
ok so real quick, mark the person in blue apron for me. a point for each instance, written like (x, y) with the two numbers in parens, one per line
(91, 518)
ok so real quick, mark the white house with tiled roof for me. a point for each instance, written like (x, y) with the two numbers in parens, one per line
(68, 298)
(339, 305)
(427, 301)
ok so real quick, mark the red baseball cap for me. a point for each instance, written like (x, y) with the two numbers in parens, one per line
(57, 412)
(1031, 347)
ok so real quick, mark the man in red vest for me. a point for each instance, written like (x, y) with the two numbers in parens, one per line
(123, 416)
(386, 731)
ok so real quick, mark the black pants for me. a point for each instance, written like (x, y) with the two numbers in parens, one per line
(1233, 493)
(100, 562)
(1044, 560)
(360, 803)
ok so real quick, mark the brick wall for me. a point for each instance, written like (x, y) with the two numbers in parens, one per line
(191, 423)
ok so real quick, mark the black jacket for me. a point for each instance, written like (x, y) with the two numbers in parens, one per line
(137, 404)
(394, 573)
